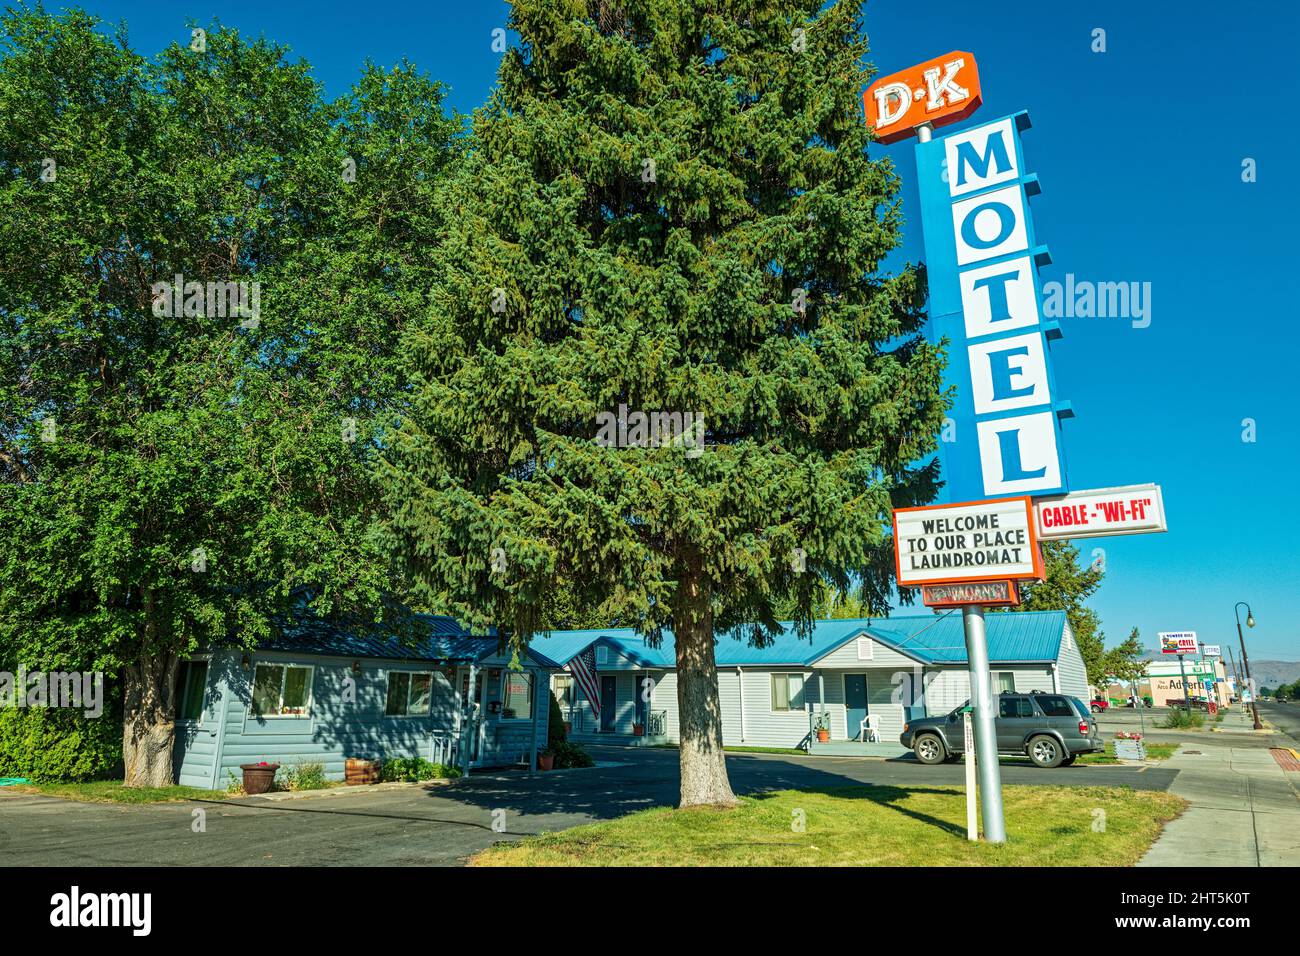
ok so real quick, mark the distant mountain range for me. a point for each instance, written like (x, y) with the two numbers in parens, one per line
(1267, 673)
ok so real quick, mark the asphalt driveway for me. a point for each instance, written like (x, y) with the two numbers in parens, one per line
(443, 825)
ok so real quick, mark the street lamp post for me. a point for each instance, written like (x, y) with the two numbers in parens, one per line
(1245, 661)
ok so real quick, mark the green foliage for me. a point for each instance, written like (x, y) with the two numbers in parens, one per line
(129, 440)
(59, 744)
(309, 775)
(675, 288)
(555, 733)
(1067, 586)
(1179, 718)
(570, 755)
(413, 769)
(1126, 662)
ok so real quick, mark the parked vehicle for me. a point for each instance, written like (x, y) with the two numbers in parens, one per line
(1051, 729)
(1198, 703)
(1099, 704)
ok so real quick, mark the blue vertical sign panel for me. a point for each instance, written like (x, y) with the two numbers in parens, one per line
(982, 256)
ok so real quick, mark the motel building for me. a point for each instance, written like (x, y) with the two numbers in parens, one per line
(861, 679)
(1206, 678)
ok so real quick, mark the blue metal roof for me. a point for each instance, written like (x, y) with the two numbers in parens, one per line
(1027, 636)
(437, 638)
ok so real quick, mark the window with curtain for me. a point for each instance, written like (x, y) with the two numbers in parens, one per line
(517, 703)
(191, 682)
(282, 690)
(409, 694)
(787, 692)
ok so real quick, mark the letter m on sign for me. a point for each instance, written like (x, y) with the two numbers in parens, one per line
(982, 157)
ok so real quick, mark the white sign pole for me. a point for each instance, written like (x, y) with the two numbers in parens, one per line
(986, 741)
(972, 826)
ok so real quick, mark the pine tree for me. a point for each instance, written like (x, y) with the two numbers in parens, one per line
(667, 207)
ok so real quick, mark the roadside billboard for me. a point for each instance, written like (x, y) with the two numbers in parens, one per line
(1178, 642)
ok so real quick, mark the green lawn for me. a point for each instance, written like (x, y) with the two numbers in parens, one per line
(111, 791)
(1154, 752)
(864, 826)
(747, 750)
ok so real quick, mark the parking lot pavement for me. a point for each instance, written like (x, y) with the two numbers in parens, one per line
(443, 825)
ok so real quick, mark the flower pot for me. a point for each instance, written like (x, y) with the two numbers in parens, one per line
(638, 730)
(823, 736)
(258, 777)
(357, 771)
(545, 761)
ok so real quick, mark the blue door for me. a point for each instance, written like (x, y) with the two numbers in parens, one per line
(608, 701)
(855, 703)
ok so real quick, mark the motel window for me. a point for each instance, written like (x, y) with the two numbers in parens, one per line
(282, 690)
(191, 681)
(1003, 680)
(787, 692)
(563, 686)
(517, 696)
(409, 695)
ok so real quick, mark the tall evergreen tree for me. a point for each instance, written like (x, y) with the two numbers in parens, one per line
(668, 205)
(175, 476)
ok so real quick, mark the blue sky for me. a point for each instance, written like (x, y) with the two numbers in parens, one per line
(1139, 150)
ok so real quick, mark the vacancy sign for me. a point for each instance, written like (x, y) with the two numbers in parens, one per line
(939, 91)
(1178, 642)
(1211, 650)
(1133, 509)
(972, 541)
(983, 593)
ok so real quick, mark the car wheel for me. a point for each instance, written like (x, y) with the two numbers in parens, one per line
(1096, 709)
(930, 749)
(1045, 751)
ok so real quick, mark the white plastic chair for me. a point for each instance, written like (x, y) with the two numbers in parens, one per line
(869, 730)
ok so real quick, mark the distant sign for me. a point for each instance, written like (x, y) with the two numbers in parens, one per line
(939, 91)
(1211, 650)
(1178, 642)
(970, 592)
(967, 542)
(1132, 509)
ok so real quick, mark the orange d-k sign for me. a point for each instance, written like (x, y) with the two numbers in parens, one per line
(939, 91)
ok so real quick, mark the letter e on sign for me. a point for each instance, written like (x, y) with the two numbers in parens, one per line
(939, 91)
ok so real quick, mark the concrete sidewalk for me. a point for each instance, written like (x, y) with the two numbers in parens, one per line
(1245, 810)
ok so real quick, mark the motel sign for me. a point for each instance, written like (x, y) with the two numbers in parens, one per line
(983, 259)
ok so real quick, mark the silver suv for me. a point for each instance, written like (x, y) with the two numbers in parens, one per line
(1051, 729)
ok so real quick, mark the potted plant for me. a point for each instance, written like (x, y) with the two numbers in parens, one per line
(638, 730)
(258, 777)
(545, 760)
(823, 728)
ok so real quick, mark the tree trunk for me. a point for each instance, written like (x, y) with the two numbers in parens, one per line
(703, 765)
(149, 728)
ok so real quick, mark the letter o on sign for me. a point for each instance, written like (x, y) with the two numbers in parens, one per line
(1006, 222)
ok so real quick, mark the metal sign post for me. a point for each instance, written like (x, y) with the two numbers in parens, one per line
(986, 741)
(972, 826)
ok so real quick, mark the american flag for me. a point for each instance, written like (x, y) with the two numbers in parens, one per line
(583, 669)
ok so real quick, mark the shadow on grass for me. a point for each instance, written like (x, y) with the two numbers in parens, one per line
(892, 798)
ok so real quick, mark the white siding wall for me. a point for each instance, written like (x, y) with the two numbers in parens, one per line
(950, 686)
(1073, 674)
